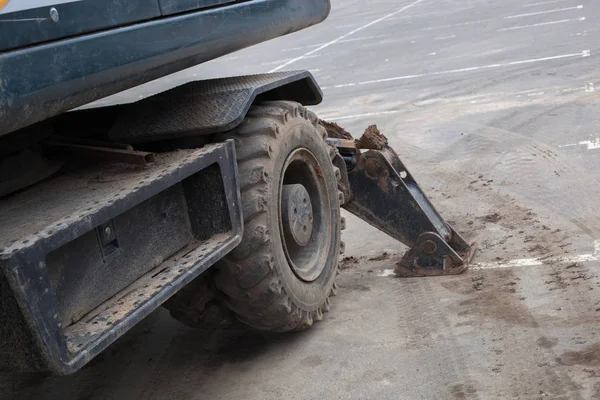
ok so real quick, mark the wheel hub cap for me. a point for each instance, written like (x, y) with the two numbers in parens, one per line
(305, 215)
(297, 213)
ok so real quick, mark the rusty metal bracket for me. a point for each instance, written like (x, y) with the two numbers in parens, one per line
(384, 194)
(93, 150)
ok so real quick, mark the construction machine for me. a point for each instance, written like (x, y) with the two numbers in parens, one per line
(219, 199)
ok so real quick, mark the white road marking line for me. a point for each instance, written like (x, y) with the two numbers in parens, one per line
(347, 25)
(523, 262)
(407, 18)
(445, 37)
(373, 114)
(589, 88)
(541, 3)
(431, 28)
(527, 262)
(364, 38)
(334, 41)
(484, 98)
(592, 144)
(532, 262)
(562, 21)
(341, 41)
(570, 90)
(585, 53)
(545, 12)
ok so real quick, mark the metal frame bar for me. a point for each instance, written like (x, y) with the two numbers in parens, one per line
(22, 262)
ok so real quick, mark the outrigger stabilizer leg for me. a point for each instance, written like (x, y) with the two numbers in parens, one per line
(380, 190)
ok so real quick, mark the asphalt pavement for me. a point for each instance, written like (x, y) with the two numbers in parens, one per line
(492, 104)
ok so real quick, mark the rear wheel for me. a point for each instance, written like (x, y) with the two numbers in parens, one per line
(281, 276)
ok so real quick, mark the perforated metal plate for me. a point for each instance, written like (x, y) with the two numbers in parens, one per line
(210, 106)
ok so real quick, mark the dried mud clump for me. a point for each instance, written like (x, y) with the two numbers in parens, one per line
(335, 131)
(372, 139)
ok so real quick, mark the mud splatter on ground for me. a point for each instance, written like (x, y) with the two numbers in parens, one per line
(547, 342)
(495, 217)
(380, 257)
(348, 262)
(589, 356)
(488, 298)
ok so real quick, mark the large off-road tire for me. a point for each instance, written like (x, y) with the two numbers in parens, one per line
(256, 282)
(271, 281)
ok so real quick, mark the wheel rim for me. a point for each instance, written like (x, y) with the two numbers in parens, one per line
(304, 215)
